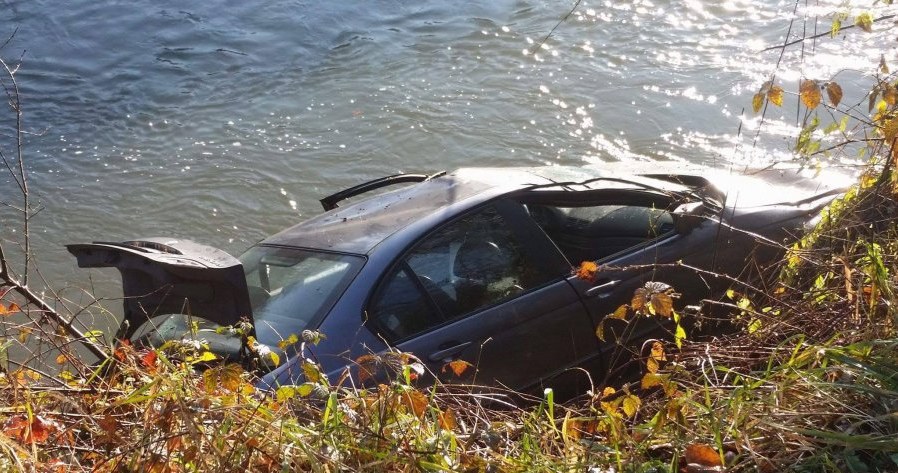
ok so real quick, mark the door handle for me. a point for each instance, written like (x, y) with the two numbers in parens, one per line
(446, 354)
(601, 290)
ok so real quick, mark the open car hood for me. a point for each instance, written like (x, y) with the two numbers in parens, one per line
(165, 276)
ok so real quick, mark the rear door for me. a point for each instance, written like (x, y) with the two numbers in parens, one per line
(632, 237)
(490, 289)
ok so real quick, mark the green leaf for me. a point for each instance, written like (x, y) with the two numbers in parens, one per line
(679, 336)
(95, 336)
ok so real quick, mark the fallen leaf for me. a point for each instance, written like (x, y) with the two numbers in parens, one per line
(447, 419)
(416, 401)
(702, 454)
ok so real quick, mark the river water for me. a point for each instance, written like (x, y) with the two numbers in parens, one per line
(224, 122)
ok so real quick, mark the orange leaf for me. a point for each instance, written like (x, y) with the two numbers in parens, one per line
(834, 91)
(809, 92)
(12, 309)
(447, 419)
(149, 359)
(36, 431)
(587, 271)
(367, 367)
(703, 455)
(458, 367)
(775, 95)
(60, 359)
(416, 401)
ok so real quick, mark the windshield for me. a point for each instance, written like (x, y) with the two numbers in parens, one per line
(290, 288)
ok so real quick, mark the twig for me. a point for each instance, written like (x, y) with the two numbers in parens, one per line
(801, 40)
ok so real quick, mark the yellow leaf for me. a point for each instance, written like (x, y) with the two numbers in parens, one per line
(24, 333)
(274, 357)
(864, 21)
(631, 404)
(834, 91)
(652, 365)
(809, 92)
(313, 374)
(657, 352)
(283, 344)
(620, 313)
(757, 102)
(600, 330)
(890, 130)
(650, 380)
(775, 95)
(889, 94)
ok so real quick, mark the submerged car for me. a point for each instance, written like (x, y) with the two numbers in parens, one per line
(472, 265)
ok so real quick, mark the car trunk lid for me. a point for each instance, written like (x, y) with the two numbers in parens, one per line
(168, 276)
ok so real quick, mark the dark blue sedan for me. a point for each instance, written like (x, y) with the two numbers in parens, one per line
(473, 265)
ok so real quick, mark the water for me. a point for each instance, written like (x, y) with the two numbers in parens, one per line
(224, 122)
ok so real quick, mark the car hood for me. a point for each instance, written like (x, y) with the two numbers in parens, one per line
(168, 276)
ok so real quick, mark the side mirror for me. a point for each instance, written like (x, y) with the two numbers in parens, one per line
(688, 217)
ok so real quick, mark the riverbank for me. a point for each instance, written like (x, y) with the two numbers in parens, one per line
(809, 382)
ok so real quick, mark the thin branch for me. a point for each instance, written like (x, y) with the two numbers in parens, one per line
(801, 40)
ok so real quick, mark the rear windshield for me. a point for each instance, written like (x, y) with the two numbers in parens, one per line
(290, 288)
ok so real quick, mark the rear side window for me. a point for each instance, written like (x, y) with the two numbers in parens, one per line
(465, 266)
(594, 232)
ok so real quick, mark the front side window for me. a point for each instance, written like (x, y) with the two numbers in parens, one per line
(290, 288)
(465, 266)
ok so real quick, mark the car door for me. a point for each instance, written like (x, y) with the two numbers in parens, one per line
(488, 288)
(632, 237)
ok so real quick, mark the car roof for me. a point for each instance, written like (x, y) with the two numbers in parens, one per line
(359, 226)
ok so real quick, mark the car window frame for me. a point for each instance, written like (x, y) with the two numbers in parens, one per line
(536, 248)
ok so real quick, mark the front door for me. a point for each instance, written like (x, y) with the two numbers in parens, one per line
(489, 289)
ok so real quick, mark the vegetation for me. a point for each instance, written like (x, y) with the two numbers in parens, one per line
(808, 382)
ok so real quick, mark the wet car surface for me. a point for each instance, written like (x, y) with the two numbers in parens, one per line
(472, 265)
